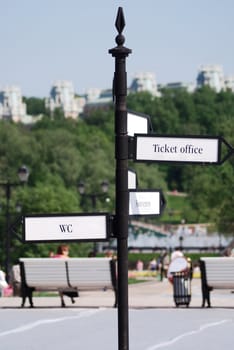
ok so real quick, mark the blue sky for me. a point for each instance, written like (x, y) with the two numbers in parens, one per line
(47, 40)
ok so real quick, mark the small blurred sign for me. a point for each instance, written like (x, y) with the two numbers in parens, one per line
(132, 180)
(145, 202)
(137, 123)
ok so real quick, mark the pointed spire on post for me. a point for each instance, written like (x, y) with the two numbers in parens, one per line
(120, 21)
(120, 39)
(120, 24)
(119, 52)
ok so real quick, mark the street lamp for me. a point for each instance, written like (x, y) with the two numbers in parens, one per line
(23, 174)
(93, 197)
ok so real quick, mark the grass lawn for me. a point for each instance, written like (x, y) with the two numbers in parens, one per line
(132, 280)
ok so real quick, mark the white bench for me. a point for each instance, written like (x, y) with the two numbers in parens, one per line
(66, 275)
(216, 273)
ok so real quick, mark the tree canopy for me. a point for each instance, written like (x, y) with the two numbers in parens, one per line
(61, 152)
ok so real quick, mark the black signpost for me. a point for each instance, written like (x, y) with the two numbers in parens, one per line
(122, 195)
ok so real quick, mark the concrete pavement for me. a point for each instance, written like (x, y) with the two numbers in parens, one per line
(149, 294)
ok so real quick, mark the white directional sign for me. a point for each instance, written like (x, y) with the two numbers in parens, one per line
(66, 227)
(132, 180)
(145, 202)
(137, 123)
(177, 149)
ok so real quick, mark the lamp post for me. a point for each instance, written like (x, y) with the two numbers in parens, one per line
(23, 174)
(93, 197)
(181, 238)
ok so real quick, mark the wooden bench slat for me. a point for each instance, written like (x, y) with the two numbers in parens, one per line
(48, 273)
(86, 274)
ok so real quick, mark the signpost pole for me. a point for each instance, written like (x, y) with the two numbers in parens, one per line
(122, 195)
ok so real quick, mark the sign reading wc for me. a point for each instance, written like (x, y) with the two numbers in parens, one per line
(72, 227)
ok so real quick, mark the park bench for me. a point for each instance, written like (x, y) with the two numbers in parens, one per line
(216, 273)
(66, 275)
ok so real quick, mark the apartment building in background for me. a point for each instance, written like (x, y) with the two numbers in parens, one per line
(229, 83)
(62, 95)
(144, 82)
(12, 106)
(211, 75)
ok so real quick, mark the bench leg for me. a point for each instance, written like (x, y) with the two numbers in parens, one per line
(62, 299)
(27, 293)
(23, 300)
(116, 299)
(206, 296)
(71, 294)
(30, 296)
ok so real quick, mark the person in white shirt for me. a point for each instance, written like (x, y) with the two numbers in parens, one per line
(3, 282)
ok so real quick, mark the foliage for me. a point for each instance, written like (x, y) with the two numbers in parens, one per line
(204, 112)
(61, 152)
(35, 106)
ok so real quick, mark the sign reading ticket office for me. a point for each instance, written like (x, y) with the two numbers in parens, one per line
(177, 149)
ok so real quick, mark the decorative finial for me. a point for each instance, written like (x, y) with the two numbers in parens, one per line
(120, 21)
(120, 50)
(120, 24)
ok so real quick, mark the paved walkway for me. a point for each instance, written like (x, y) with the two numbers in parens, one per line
(150, 294)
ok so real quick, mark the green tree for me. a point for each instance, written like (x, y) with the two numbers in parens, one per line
(35, 106)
